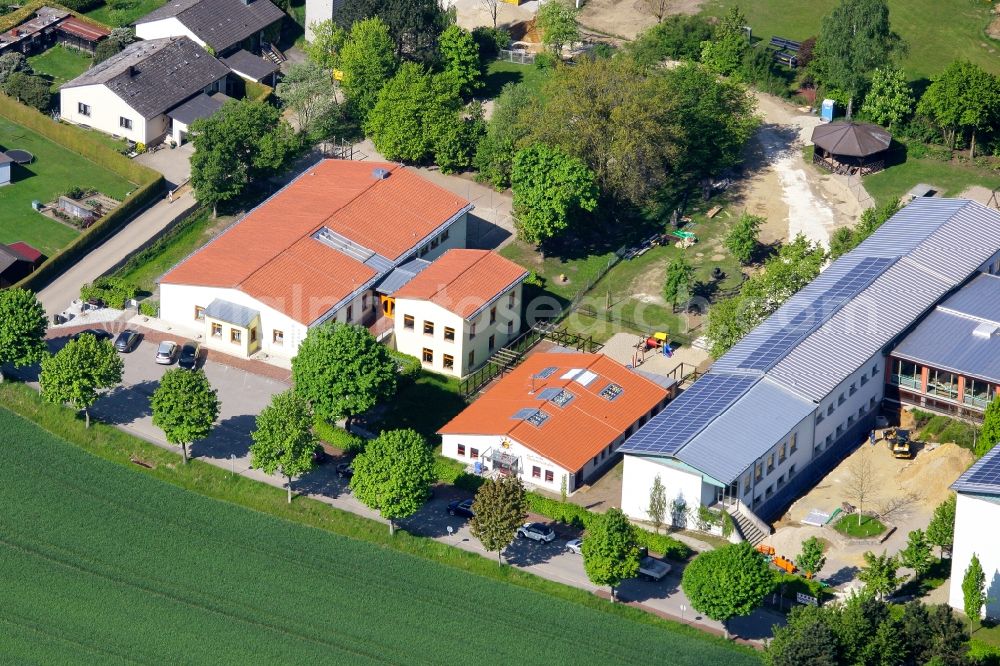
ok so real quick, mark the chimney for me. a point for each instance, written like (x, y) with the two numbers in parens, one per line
(131, 71)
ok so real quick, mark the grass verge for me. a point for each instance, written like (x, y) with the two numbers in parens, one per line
(949, 178)
(60, 64)
(687, 645)
(863, 529)
(425, 404)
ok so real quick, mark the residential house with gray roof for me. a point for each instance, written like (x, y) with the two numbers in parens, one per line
(132, 93)
(801, 391)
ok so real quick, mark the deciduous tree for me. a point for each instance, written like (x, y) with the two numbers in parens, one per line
(726, 582)
(610, 551)
(889, 100)
(11, 62)
(741, 241)
(324, 49)
(492, 7)
(963, 97)
(917, 554)
(185, 407)
(368, 61)
(808, 637)
(933, 635)
(29, 89)
(657, 509)
(22, 328)
(811, 558)
(495, 152)
(283, 440)
(393, 475)
(455, 147)
(460, 60)
(677, 286)
(500, 508)
(941, 530)
(854, 39)
(861, 481)
(306, 89)
(78, 371)
(989, 434)
(342, 371)
(557, 21)
(974, 590)
(879, 574)
(550, 188)
(658, 8)
(724, 52)
(413, 25)
(677, 37)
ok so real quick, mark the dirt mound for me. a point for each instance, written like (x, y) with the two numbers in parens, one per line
(931, 472)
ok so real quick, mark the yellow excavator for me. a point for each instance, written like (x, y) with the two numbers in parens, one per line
(898, 441)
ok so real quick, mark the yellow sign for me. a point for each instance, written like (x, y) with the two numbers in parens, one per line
(338, 75)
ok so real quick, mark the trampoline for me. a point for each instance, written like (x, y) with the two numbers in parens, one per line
(21, 156)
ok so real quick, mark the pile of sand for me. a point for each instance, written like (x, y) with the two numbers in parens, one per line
(931, 472)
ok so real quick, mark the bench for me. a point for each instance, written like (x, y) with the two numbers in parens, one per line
(783, 44)
(787, 59)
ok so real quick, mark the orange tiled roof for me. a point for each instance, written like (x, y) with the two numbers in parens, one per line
(575, 433)
(462, 281)
(270, 254)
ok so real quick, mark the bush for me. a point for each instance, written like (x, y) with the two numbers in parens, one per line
(453, 472)
(338, 438)
(678, 37)
(82, 5)
(409, 366)
(115, 292)
(545, 61)
(490, 41)
(149, 308)
(572, 514)
(791, 584)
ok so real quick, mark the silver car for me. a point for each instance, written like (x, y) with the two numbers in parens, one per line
(575, 546)
(166, 353)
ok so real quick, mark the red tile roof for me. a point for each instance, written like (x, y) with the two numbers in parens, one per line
(270, 254)
(29, 253)
(574, 433)
(462, 281)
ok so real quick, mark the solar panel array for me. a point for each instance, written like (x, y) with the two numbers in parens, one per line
(537, 419)
(777, 346)
(686, 416)
(984, 476)
(549, 393)
(611, 391)
(546, 372)
(562, 398)
(523, 413)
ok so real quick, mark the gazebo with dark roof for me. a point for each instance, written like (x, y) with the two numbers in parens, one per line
(850, 148)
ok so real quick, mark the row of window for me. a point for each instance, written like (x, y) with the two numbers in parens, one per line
(85, 110)
(603, 454)
(784, 450)
(437, 240)
(942, 384)
(842, 398)
(769, 491)
(236, 334)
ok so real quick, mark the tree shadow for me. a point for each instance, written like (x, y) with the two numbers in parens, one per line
(494, 82)
(525, 552)
(231, 437)
(126, 404)
(841, 576)
(484, 235)
(638, 590)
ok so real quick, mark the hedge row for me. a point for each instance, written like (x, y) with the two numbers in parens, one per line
(114, 291)
(573, 514)
(453, 472)
(21, 15)
(337, 437)
(73, 138)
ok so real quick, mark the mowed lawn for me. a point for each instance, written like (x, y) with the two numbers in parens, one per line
(54, 171)
(104, 14)
(937, 31)
(102, 564)
(60, 64)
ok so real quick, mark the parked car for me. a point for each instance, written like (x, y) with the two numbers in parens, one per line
(575, 546)
(461, 508)
(653, 569)
(96, 332)
(536, 532)
(127, 341)
(345, 470)
(166, 353)
(190, 354)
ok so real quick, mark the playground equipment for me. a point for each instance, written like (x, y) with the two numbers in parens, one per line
(658, 341)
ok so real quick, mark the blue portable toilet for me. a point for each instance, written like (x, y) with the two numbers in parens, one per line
(478, 468)
(826, 110)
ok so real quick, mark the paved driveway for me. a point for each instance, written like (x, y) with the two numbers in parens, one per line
(173, 163)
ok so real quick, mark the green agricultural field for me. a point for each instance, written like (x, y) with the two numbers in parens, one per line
(60, 64)
(937, 31)
(54, 171)
(102, 563)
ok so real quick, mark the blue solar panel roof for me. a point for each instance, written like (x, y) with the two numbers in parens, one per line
(809, 318)
(686, 416)
(983, 477)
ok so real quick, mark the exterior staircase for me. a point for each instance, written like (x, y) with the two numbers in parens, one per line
(750, 527)
(270, 52)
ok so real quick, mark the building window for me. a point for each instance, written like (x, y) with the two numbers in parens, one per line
(428, 355)
(408, 322)
(474, 453)
(819, 419)
(364, 302)
(549, 476)
(448, 362)
(594, 461)
(444, 235)
(905, 374)
(349, 316)
(864, 379)
(125, 123)
(461, 450)
(428, 328)
(852, 390)
(840, 430)
(493, 314)
(792, 445)
(472, 330)
(850, 420)
(199, 313)
(861, 412)
(423, 250)
(472, 358)
(746, 484)
(759, 472)
(510, 327)
(841, 400)
(791, 471)
(253, 334)
(235, 336)
(434, 243)
(511, 298)
(278, 337)
(829, 410)
(871, 403)
(978, 393)
(536, 472)
(83, 109)
(449, 334)
(829, 439)
(944, 384)
(781, 480)
(770, 463)
(493, 342)
(216, 330)
(781, 454)
(874, 371)
(769, 492)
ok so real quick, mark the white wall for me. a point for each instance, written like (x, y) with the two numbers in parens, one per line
(529, 459)
(414, 341)
(637, 480)
(317, 11)
(106, 110)
(168, 27)
(753, 491)
(5, 173)
(977, 530)
(177, 306)
(872, 373)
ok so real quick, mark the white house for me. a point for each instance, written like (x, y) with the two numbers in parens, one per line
(977, 530)
(558, 417)
(802, 390)
(224, 26)
(131, 93)
(457, 311)
(317, 251)
(318, 11)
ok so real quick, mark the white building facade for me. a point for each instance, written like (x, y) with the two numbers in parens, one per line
(977, 531)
